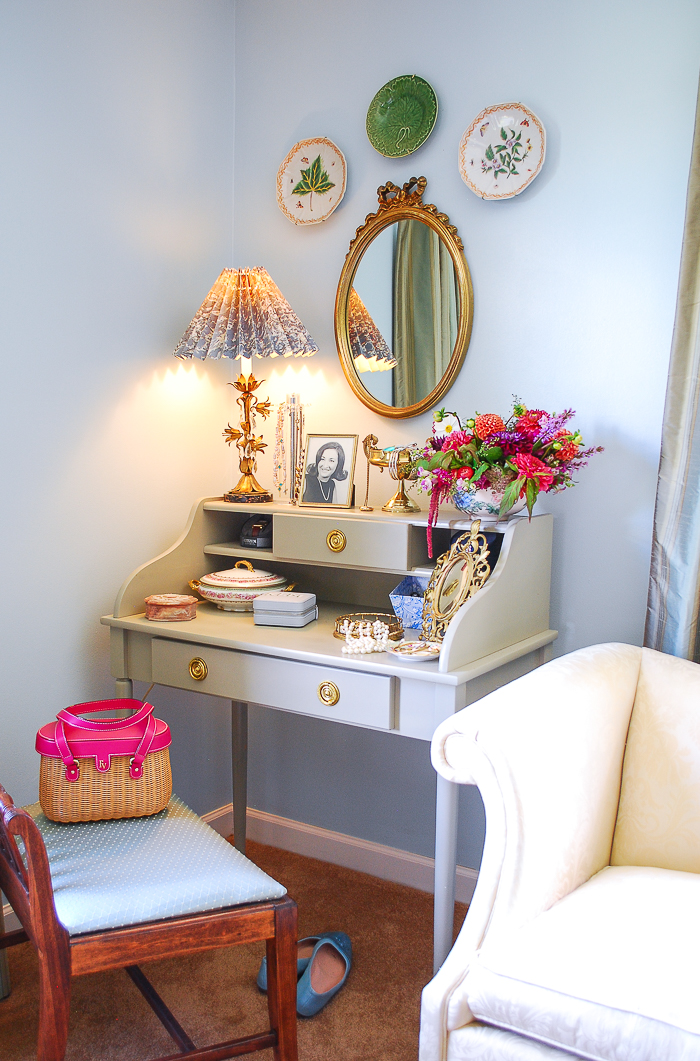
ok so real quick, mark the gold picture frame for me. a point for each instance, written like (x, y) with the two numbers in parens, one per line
(458, 575)
(336, 455)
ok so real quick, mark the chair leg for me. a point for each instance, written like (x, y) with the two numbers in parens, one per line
(54, 1006)
(282, 981)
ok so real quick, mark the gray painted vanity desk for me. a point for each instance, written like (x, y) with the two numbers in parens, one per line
(499, 634)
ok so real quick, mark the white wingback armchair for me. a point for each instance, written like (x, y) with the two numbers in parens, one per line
(583, 936)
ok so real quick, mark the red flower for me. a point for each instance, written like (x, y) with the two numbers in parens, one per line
(568, 449)
(465, 473)
(533, 468)
(529, 422)
(459, 438)
(488, 424)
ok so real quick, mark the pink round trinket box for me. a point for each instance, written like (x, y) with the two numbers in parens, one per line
(170, 607)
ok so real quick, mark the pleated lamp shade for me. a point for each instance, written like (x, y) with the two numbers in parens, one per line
(369, 349)
(245, 315)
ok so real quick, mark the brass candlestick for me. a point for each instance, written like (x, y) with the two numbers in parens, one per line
(248, 489)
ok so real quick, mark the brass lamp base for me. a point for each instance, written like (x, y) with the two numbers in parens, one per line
(248, 490)
(401, 503)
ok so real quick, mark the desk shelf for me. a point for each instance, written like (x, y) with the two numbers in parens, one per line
(510, 609)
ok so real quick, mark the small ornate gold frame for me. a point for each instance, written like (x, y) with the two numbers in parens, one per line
(399, 204)
(458, 575)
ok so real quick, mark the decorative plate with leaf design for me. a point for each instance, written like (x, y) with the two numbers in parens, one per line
(311, 181)
(401, 116)
(502, 151)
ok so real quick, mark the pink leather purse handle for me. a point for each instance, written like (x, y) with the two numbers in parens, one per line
(114, 724)
(105, 705)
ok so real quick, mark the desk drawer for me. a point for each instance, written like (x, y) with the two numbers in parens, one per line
(350, 542)
(348, 696)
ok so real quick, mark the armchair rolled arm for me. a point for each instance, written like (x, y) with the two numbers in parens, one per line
(546, 753)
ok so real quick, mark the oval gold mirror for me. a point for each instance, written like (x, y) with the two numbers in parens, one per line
(404, 307)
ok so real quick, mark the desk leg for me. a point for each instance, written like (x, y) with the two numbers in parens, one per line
(124, 688)
(445, 869)
(239, 756)
(4, 967)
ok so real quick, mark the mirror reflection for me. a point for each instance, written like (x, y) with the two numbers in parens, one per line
(403, 313)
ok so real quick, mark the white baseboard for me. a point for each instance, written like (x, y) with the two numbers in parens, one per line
(389, 863)
(11, 920)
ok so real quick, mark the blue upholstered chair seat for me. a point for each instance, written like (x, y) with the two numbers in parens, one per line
(124, 872)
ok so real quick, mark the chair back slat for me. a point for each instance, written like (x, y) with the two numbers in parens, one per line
(27, 881)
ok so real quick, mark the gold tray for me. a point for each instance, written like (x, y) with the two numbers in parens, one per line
(394, 624)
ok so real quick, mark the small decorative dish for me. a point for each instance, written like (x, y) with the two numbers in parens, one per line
(170, 607)
(235, 589)
(401, 116)
(416, 651)
(355, 618)
(311, 181)
(502, 151)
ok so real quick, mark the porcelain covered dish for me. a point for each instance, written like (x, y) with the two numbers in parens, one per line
(235, 589)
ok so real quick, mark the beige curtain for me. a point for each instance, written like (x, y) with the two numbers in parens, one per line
(425, 311)
(674, 587)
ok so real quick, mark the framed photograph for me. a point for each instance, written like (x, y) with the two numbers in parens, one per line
(329, 470)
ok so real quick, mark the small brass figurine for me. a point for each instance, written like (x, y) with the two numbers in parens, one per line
(248, 488)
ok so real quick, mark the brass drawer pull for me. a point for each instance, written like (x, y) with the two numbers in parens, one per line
(198, 669)
(336, 541)
(328, 693)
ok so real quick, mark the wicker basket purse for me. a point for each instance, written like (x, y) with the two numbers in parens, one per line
(105, 768)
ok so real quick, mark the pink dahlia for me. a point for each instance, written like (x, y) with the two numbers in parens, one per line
(457, 439)
(533, 468)
(529, 422)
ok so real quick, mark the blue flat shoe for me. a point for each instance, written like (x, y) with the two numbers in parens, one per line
(325, 973)
(305, 948)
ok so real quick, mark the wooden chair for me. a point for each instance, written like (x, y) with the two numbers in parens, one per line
(26, 880)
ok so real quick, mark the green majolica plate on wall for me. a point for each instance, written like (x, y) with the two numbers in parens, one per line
(401, 116)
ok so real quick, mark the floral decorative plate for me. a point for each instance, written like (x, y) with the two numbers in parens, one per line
(502, 151)
(401, 116)
(416, 651)
(311, 181)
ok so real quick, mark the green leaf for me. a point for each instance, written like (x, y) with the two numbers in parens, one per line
(313, 179)
(480, 470)
(494, 453)
(504, 134)
(489, 153)
(511, 495)
(531, 491)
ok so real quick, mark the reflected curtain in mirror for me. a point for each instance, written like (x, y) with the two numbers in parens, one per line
(426, 309)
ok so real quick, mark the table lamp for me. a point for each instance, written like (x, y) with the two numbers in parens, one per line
(245, 315)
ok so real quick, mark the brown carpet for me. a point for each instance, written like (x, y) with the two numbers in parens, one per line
(374, 1017)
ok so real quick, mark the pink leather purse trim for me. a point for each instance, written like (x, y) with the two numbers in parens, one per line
(72, 738)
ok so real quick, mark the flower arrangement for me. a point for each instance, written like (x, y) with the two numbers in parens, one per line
(530, 452)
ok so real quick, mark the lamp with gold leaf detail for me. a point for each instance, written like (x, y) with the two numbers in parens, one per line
(245, 315)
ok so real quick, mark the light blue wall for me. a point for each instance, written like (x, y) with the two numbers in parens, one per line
(574, 288)
(116, 173)
(115, 213)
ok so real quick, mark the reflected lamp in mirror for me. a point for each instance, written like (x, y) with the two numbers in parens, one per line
(369, 347)
(245, 315)
(406, 269)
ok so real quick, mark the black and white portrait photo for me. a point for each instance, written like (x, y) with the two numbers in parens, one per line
(329, 469)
